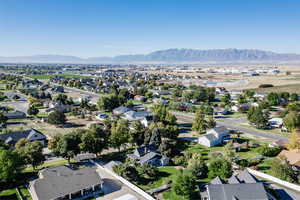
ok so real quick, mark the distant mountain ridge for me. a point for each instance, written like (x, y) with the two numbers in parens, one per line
(168, 55)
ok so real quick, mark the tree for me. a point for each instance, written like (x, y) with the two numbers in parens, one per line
(294, 141)
(211, 123)
(292, 121)
(220, 167)
(57, 118)
(10, 165)
(198, 168)
(3, 118)
(94, 141)
(167, 147)
(226, 98)
(242, 99)
(199, 124)
(53, 144)
(170, 118)
(136, 134)
(273, 99)
(258, 117)
(229, 152)
(283, 170)
(294, 97)
(68, 145)
(119, 134)
(150, 171)
(32, 110)
(184, 185)
(33, 153)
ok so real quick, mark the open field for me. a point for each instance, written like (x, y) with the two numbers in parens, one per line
(46, 76)
(292, 88)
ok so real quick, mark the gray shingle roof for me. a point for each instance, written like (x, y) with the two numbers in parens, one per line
(246, 177)
(247, 191)
(59, 181)
(30, 134)
(216, 181)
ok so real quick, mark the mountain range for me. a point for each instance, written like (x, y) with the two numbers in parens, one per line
(169, 55)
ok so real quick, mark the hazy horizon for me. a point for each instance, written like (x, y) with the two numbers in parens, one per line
(110, 28)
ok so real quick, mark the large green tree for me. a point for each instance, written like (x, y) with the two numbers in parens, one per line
(200, 124)
(94, 140)
(68, 145)
(184, 185)
(10, 165)
(220, 167)
(57, 118)
(292, 121)
(119, 134)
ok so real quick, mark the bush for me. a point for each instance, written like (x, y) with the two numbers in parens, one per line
(265, 86)
(269, 151)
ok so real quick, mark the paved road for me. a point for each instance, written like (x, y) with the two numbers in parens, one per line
(234, 124)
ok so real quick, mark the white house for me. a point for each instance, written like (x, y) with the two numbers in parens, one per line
(215, 136)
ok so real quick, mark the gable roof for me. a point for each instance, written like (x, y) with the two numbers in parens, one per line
(216, 181)
(30, 134)
(218, 130)
(149, 156)
(249, 191)
(59, 181)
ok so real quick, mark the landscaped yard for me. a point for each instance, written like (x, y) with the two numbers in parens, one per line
(47, 164)
(166, 174)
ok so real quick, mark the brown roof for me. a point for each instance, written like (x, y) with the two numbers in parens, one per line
(292, 156)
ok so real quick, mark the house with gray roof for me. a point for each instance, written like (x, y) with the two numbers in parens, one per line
(15, 115)
(214, 137)
(63, 182)
(147, 154)
(120, 110)
(241, 186)
(30, 134)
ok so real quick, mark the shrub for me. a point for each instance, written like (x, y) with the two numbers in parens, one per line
(265, 86)
(269, 151)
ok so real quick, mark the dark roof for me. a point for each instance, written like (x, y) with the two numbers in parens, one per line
(247, 191)
(59, 181)
(15, 115)
(30, 134)
(216, 181)
(149, 156)
(246, 177)
(143, 150)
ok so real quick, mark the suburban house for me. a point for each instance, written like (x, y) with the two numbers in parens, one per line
(59, 106)
(145, 117)
(120, 110)
(15, 115)
(139, 98)
(30, 134)
(240, 186)
(242, 107)
(293, 158)
(275, 122)
(148, 155)
(62, 182)
(215, 136)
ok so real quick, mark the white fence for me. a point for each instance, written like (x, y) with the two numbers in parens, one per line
(127, 183)
(274, 179)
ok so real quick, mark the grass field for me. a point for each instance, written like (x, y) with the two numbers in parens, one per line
(46, 76)
(291, 88)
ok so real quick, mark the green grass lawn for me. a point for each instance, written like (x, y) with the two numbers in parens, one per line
(10, 194)
(47, 76)
(166, 174)
(47, 164)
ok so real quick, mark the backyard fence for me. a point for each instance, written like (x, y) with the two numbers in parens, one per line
(274, 180)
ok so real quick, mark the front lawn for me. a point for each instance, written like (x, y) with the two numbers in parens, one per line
(9, 194)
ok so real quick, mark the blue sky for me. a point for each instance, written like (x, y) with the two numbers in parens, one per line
(113, 27)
